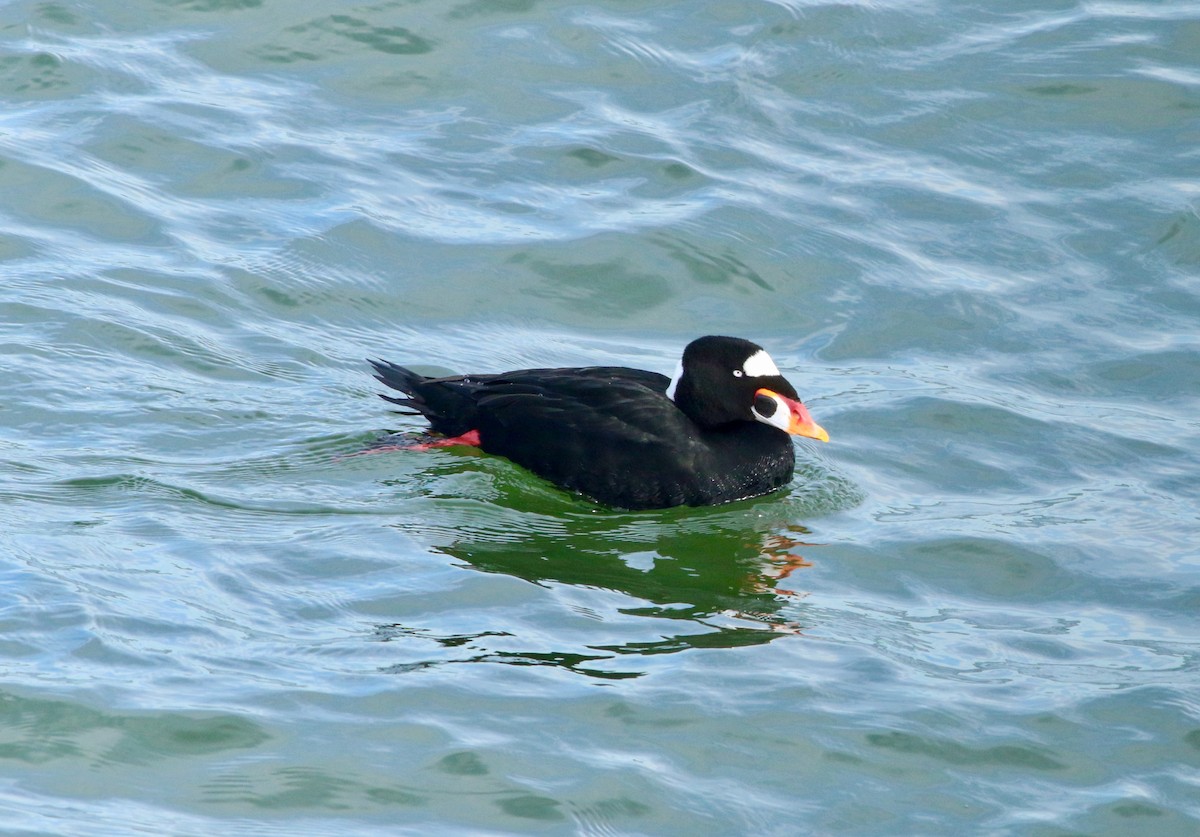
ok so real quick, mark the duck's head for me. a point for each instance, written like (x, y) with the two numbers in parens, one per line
(721, 380)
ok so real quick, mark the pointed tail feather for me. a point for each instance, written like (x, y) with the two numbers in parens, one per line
(406, 381)
(447, 403)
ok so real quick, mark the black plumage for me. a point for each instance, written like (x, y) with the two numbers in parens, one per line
(613, 434)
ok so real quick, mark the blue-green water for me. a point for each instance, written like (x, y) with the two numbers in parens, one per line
(969, 235)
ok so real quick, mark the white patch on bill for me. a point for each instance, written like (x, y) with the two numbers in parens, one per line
(780, 418)
(675, 381)
(760, 365)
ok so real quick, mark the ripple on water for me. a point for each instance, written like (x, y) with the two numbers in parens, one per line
(966, 236)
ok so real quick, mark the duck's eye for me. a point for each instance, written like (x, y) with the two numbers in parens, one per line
(737, 373)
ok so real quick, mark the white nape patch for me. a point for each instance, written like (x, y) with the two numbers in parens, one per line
(675, 381)
(760, 365)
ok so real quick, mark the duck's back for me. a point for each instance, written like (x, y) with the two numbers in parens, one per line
(612, 434)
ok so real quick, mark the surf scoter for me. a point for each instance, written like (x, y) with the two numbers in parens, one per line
(715, 432)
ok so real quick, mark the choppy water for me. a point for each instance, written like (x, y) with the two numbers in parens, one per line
(969, 235)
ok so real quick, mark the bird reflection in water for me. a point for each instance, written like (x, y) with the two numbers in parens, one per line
(717, 575)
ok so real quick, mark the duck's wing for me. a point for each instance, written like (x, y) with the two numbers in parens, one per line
(610, 433)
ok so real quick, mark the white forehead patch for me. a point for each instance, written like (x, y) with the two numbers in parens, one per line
(675, 381)
(760, 365)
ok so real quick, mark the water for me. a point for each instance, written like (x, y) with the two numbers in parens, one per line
(969, 236)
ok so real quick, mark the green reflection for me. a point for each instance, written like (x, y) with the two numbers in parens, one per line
(719, 573)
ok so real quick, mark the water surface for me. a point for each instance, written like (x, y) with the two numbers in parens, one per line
(969, 236)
